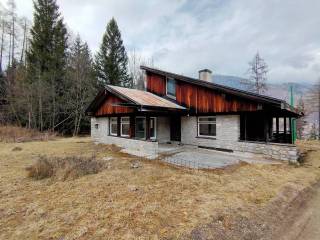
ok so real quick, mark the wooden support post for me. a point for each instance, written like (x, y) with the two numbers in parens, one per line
(147, 127)
(290, 129)
(132, 126)
(245, 126)
(277, 126)
(266, 130)
(285, 126)
(118, 126)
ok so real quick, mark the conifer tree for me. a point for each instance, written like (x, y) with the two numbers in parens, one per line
(111, 61)
(46, 58)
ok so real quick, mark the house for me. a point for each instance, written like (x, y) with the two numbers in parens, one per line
(179, 109)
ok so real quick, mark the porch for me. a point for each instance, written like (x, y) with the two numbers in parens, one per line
(269, 127)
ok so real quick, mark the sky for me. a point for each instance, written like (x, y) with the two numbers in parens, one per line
(223, 35)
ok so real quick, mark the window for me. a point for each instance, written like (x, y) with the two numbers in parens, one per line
(206, 126)
(171, 88)
(141, 127)
(96, 126)
(153, 128)
(125, 126)
(114, 126)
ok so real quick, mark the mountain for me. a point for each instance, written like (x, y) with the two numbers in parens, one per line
(280, 90)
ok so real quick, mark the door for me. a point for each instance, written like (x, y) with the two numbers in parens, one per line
(140, 128)
(175, 128)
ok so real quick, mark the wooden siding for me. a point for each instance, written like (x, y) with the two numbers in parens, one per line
(108, 107)
(156, 84)
(200, 99)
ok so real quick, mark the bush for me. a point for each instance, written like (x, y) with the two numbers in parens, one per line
(64, 168)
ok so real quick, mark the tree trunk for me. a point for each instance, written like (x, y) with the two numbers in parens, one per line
(2, 43)
(24, 41)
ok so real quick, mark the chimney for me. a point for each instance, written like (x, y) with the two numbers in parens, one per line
(205, 75)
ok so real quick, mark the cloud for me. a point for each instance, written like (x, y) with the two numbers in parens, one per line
(183, 36)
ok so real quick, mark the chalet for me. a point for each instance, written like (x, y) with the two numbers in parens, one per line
(180, 109)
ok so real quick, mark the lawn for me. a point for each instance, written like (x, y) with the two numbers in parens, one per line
(152, 201)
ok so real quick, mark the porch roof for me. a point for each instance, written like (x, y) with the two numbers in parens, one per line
(143, 98)
(134, 98)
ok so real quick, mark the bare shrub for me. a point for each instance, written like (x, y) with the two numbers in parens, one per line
(64, 168)
(15, 149)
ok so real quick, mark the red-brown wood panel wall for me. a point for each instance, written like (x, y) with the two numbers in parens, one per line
(108, 106)
(156, 84)
(201, 99)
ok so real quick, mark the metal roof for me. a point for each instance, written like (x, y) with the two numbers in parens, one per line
(143, 98)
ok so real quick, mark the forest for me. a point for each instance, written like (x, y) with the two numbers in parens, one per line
(48, 75)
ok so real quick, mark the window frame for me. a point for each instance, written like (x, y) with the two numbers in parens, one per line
(110, 126)
(123, 123)
(213, 122)
(175, 88)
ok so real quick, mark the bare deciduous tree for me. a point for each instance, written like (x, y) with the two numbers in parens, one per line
(257, 71)
(135, 61)
(313, 100)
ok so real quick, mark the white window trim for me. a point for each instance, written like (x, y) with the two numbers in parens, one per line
(155, 128)
(110, 128)
(168, 94)
(122, 123)
(206, 122)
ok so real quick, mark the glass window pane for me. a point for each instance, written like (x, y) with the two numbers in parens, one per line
(113, 128)
(171, 87)
(207, 119)
(207, 129)
(125, 119)
(140, 127)
(125, 129)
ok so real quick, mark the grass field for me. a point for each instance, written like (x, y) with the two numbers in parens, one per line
(150, 202)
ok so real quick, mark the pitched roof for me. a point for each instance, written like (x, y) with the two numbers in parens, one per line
(133, 98)
(143, 98)
(229, 90)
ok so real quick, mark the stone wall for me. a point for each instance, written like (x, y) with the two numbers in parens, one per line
(228, 135)
(97, 134)
(136, 147)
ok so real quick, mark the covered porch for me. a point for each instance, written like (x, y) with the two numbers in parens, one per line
(268, 126)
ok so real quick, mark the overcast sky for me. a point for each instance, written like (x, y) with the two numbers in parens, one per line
(222, 35)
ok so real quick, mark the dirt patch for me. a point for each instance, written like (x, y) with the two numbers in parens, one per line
(266, 223)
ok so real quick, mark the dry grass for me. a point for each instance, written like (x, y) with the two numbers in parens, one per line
(11, 134)
(150, 202)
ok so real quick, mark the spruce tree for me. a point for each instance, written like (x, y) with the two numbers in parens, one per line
(46, 58)
(111, 61)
